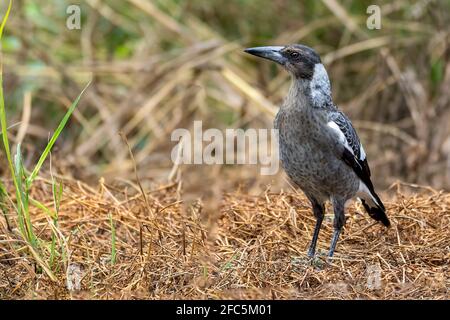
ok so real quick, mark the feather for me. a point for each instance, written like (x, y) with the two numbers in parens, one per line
(355, 157)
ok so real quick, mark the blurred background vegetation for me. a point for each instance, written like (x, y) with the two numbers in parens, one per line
(159, 65)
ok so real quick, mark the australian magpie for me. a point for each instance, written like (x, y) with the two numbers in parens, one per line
(319, 148)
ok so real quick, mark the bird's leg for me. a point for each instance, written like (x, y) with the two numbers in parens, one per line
(318, 210)
(336, 233)
(312, 246)
(339, 221)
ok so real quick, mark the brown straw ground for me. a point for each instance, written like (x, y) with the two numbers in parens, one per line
(254, 247)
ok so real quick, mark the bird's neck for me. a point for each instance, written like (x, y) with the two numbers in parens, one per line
(314, 92)
(320, 87)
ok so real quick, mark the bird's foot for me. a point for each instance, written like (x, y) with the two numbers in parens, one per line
(317, 260)
(330, 260)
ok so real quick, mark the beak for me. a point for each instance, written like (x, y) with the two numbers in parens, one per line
(272, 53)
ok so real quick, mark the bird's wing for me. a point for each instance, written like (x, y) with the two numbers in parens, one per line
(353, 152)
(347, 134)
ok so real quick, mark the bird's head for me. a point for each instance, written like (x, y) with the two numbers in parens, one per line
(298, 59)
(304, 64)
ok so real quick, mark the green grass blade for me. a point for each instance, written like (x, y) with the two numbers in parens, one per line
(57, 190)
(2, 26)
(4, 128)
(23, 196)
(55, 136)
(2, 104)
(3, 207)
(113, 240)
(44, 208)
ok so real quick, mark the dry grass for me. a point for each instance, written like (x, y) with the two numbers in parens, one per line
(254, 248)
(160, 65)
(183, 61)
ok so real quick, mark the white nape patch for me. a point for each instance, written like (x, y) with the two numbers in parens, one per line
(342, 138)
(320, 86)
(364, 193)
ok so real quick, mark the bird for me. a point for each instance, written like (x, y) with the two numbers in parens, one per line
(319, 148)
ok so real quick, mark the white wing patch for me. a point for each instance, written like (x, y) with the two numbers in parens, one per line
(341, 135)
(364, 193)
(333, 125)
(362, 153)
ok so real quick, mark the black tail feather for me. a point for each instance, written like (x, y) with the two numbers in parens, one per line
(377, 213)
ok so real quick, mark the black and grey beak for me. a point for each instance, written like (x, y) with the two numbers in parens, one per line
(272, 53)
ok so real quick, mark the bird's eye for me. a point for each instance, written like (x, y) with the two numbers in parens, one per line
(294, 54)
